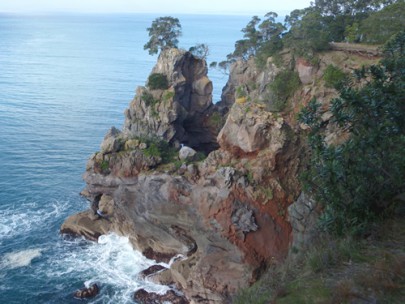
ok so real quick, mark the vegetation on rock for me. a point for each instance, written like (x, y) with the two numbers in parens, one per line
(334, 77)
(163, 34)
(358, 180)
(284, 85)
(157, 81)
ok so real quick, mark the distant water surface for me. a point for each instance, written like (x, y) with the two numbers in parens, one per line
(64, 81)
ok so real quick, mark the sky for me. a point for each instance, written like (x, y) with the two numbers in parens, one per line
(238, 7)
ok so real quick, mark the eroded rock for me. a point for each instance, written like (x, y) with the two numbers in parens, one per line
(143, 297)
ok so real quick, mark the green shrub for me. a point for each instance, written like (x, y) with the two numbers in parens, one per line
(148, 99)
(284, 86)
(334, 77)
(160, 148)
(358, 180)
(157, 81)
(104, 166)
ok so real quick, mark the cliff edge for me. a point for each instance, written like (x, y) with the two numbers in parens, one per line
(230, 215)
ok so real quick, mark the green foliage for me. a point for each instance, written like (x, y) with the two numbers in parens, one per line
(163, 34)
(252, 295)
(201, 51)
(352, 33)
(334, 77)
(284, 85)
(380, 26)
(160, 148)
(105, 165)
(199, 156)
(149, 99)
(261, 39)
(158, 81)
(357, 180)
(308, 32)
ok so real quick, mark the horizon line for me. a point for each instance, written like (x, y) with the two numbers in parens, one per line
(54, 12)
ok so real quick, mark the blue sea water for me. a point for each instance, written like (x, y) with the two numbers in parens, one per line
(64, 81)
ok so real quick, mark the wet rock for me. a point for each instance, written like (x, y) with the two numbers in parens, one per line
(152, 270)
(84, 224)
(87, 293)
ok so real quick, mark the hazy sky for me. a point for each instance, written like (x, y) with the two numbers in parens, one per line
(248, 7)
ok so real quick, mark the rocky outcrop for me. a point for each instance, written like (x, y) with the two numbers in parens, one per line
(180, 112)
(227, 217)
(303, 215)
(248, 80)
(228, 221)
(249, 129)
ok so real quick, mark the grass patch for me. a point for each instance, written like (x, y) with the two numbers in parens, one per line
(338, 270)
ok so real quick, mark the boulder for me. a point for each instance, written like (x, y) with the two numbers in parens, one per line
(251, 131)
(306, 71)
(87, 293)
(186, 153)
(112, 141)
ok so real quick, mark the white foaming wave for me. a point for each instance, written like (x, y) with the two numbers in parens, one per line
(22, 217)
(110, 262)
(19, 259)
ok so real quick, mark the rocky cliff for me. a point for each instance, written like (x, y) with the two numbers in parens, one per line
(230, 215)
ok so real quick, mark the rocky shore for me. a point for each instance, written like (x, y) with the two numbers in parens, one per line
(230, 215)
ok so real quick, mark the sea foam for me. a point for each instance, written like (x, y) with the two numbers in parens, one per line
(112, 263)
(19, 259)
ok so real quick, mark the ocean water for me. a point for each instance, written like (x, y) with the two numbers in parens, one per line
(64, 81)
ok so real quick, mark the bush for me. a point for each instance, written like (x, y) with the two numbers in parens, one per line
(157, 81)
(148, 99)
(160, 148)
(358, 180)
(334, 77)
(284, 85)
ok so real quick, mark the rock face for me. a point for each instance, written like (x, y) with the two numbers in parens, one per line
(229, 216)
(226, 215)
(179, 113)
(248, 80)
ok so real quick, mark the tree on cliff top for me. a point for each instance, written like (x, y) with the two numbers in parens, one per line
(163, 34)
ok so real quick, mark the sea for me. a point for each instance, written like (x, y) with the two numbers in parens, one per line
(65, 79)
